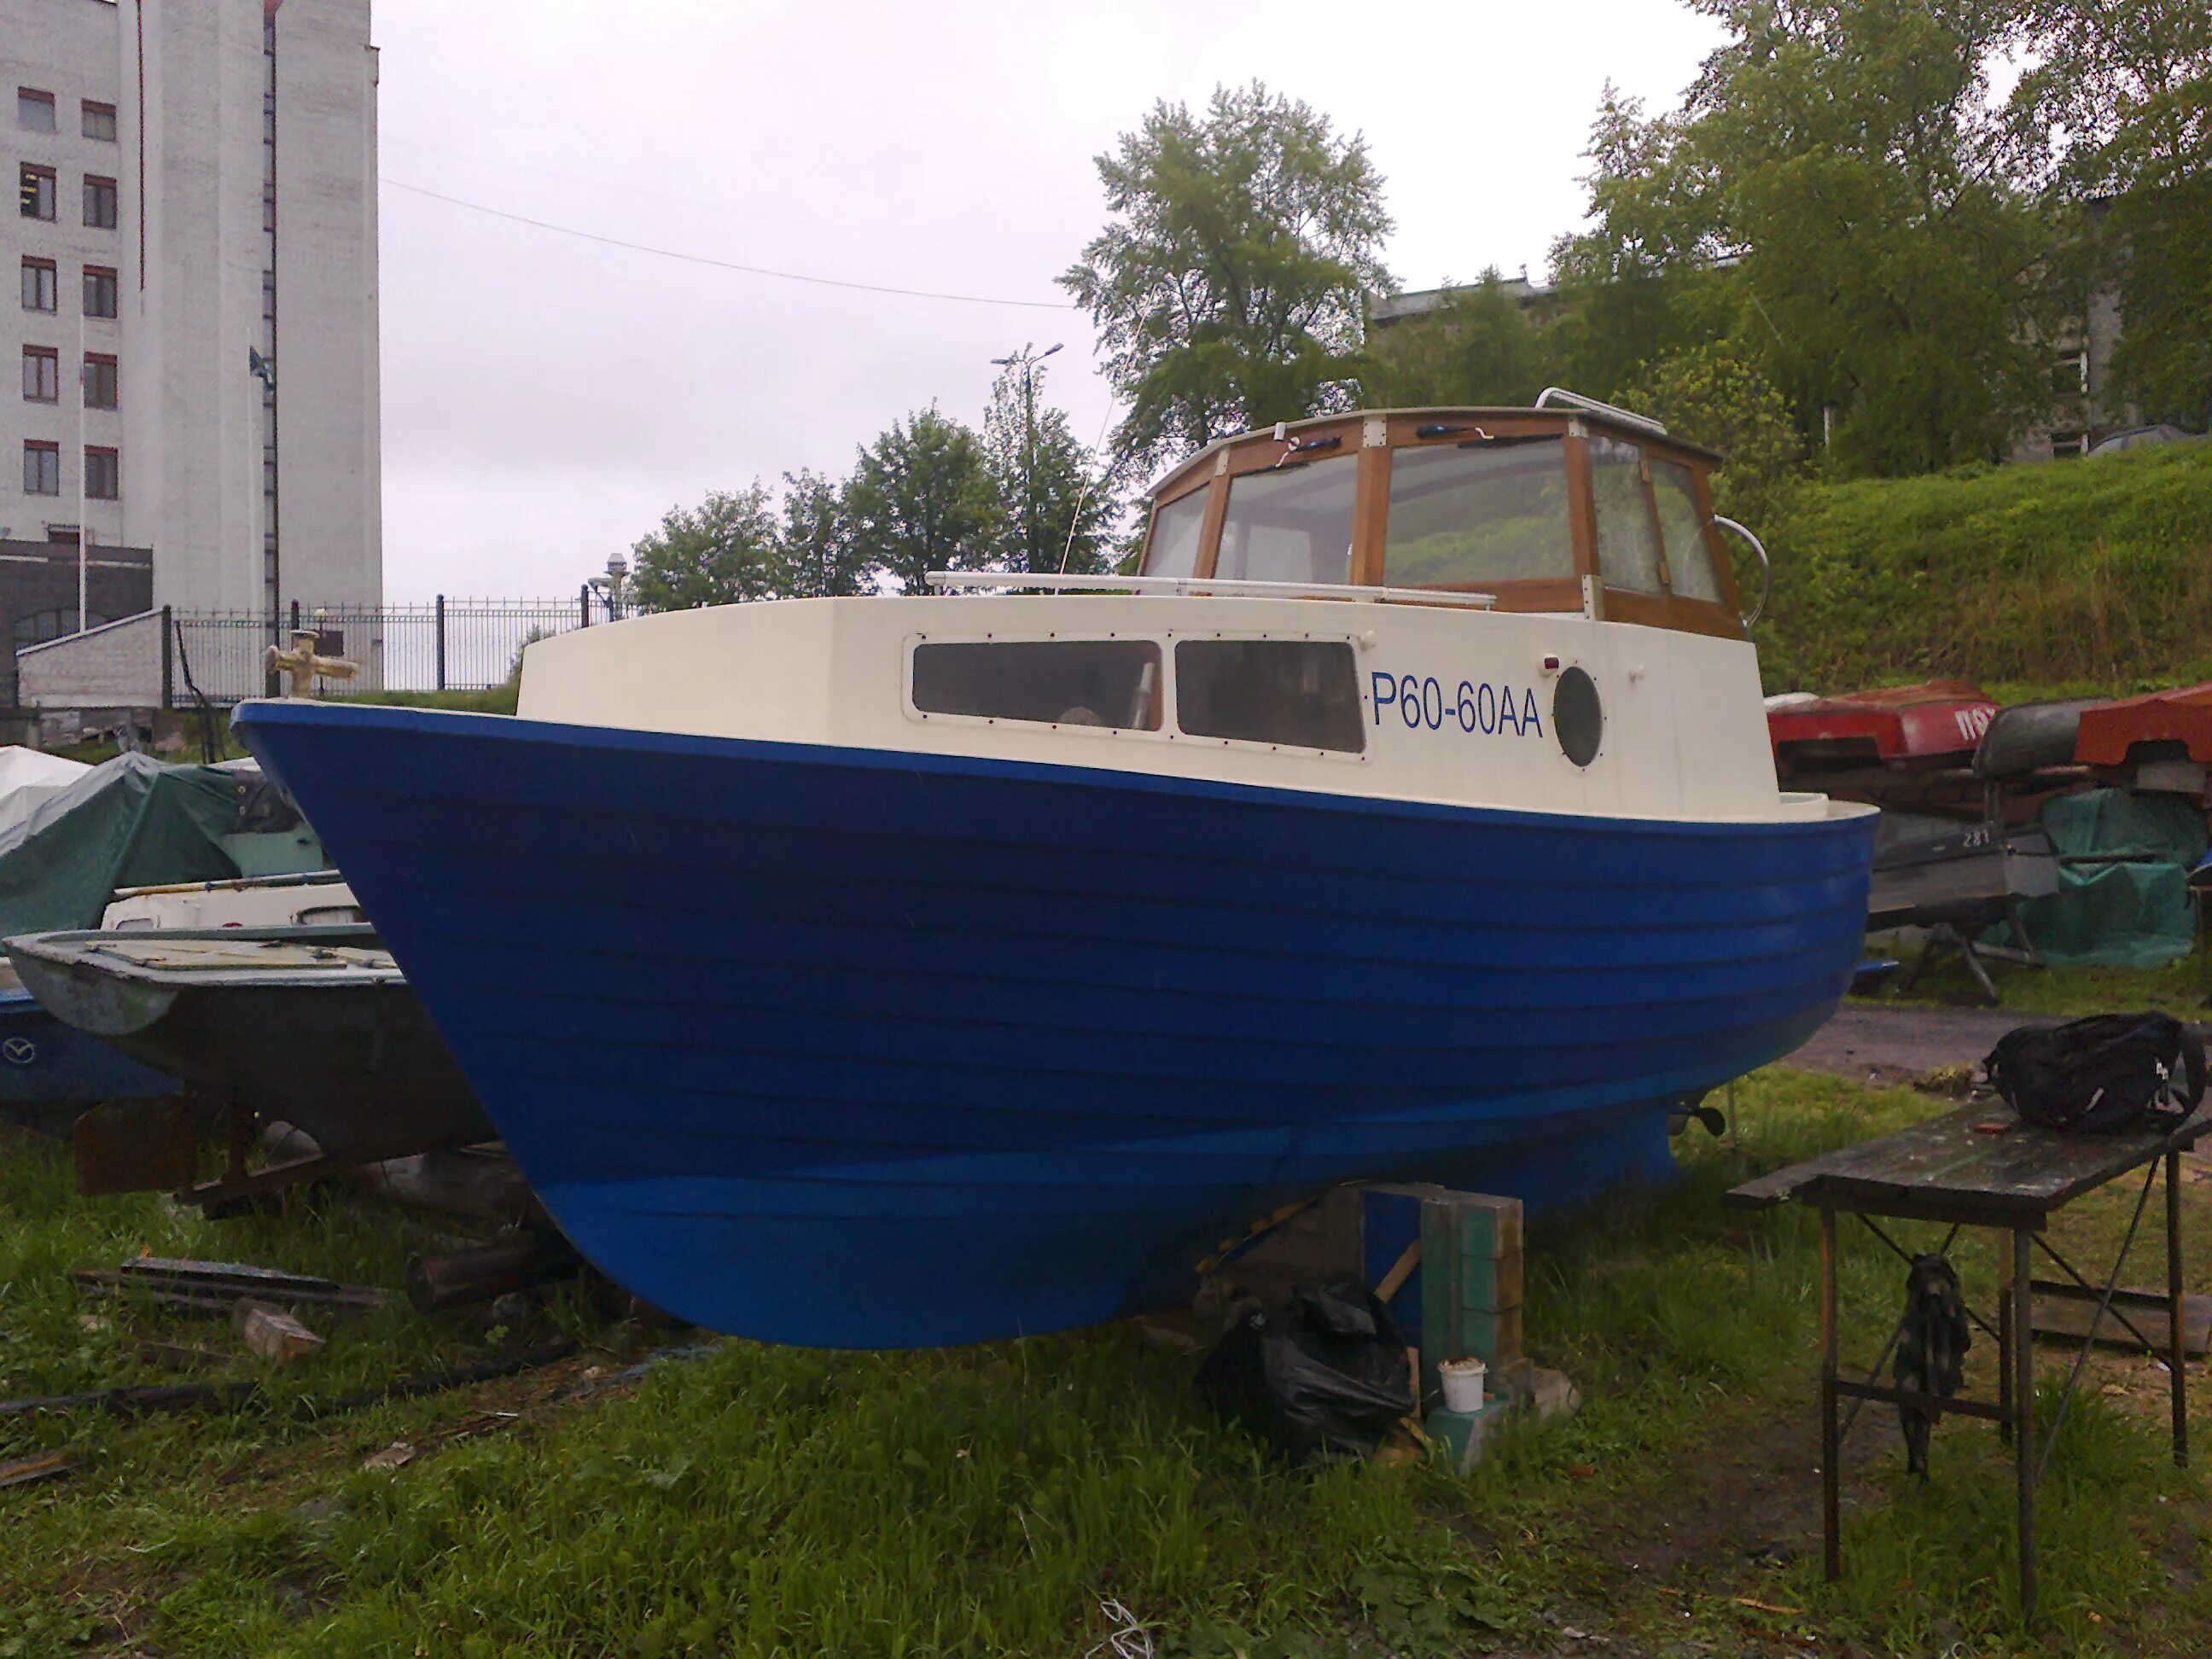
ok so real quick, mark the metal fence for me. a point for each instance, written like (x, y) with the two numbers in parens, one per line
(448, 645)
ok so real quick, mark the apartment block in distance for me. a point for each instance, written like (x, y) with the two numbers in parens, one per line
(195, 234)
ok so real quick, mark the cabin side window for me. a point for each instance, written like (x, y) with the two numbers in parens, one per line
(1299, 693)
(1290, 524)
(1627, 537)
(1172, 548)
(1465, 515)
(1682, 528)
(1108, 682)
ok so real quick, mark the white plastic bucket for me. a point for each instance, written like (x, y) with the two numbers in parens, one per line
(1462, 1380)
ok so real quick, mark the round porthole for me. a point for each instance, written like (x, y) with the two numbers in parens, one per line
(1577, 716)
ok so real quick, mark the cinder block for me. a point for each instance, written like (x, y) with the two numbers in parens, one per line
(1463, 1436)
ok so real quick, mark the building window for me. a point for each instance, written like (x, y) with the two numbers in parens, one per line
(38, 629)
(2069, 375)
(100, 121)
(42, 468)
(42, 374)
(38, 285)
(99, 382)
(99, 202)
(34, 190)
(99, 291)
(34, 110)
(2066, 445)
(103, 474)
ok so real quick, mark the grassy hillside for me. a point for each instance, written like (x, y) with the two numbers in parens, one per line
(2091, 575)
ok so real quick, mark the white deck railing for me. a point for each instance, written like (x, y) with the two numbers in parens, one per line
(1219, 586)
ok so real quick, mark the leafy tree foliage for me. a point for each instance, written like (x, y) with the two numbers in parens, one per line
(1059, 507)
(821, 556)
(923, 499)
(1228, 289)
(1476, 348)
(2127, 86)
(1845, 162)
(723, 551)
(1712, 396)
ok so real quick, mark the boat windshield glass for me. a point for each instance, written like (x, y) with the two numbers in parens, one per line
(1290, 524)
(1689, 555)
(1302, 694)
(1627, 536)
(1465, 515)
(1112, 683)
(1173, 548)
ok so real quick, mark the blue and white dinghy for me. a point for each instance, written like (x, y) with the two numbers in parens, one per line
(894, 971)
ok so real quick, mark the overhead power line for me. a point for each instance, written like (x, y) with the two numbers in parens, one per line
(725, 264)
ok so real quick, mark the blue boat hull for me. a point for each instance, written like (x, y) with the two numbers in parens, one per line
(51, 1073)
(860, 1049)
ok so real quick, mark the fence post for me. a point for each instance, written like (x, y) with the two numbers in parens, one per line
(441, 641)
(168, 658)
(584, 604)
(295, 619)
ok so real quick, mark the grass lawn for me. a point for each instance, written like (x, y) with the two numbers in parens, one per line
(1010, 1499)
(2178, 988)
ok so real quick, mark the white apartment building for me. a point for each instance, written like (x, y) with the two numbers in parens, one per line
(196, 236)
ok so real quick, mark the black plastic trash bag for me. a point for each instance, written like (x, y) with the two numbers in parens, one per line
(1322, 1379)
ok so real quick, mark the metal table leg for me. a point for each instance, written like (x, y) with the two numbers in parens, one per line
(1832, 1542)
(2176, 1360)
(2005, 1337)
(2023, 1395)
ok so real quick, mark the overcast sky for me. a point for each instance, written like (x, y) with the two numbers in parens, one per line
(547, 398)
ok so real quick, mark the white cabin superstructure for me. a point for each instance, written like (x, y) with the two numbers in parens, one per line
(1521, 610)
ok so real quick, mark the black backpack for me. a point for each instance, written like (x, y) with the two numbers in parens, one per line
(2099, 1075)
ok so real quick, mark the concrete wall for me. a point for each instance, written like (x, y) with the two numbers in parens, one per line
(38, 592)
(116, 666)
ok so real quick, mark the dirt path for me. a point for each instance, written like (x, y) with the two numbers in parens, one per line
(1873, 1044)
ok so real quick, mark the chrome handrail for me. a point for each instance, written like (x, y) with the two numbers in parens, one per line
(1765, 567)
(1597, 406)
(1220, 586)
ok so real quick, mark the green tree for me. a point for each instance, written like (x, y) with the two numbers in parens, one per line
(720, 552)
(1478, 347)
(820, 554)
(1059, 507)
(1228, 289)
(921, 499)
(1713, 396)
(2128, 83)
(1843, 163)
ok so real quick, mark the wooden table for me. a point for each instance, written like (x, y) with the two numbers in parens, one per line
(1981, 1167)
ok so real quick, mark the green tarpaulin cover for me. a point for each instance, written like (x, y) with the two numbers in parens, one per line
(2123, 898)
(130, 822)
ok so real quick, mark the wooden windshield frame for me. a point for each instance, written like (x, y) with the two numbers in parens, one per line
(1369, 441)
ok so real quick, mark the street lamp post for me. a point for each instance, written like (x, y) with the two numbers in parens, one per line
(1027, 364)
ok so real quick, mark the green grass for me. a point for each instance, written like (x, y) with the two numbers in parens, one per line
(758, 1500)
(2094, 575)
(2177, 988)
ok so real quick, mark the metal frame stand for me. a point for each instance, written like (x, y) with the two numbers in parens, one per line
(2013, 1410)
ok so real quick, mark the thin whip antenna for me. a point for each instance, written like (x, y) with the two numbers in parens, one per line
(1075, 522)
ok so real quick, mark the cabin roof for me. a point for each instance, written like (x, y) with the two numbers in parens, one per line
(1629, 429)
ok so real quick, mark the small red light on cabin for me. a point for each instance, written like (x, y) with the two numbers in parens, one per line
(1551, 665)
